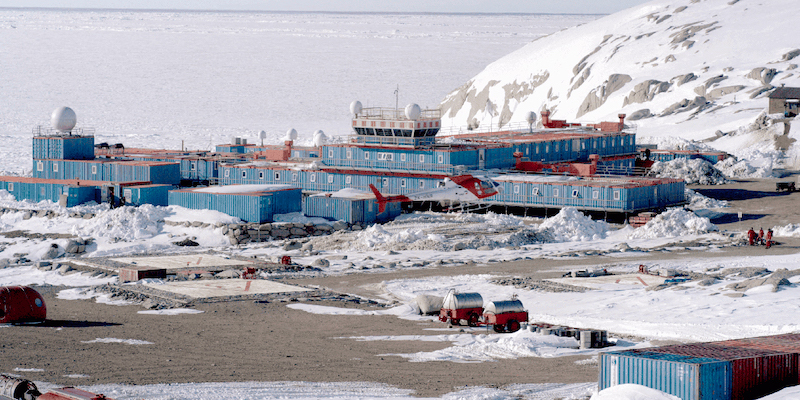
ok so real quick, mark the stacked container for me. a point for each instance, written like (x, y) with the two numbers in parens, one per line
(702, 371)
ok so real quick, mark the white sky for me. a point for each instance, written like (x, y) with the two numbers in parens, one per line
(459, 6)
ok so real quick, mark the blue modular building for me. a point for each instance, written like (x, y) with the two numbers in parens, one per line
(250, 203)
(395, 151)
(351, 207)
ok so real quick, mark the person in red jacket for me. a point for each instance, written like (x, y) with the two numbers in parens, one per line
(760, 239)
(751, 237)
(769, 238)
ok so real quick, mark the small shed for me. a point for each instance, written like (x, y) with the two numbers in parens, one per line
(784, 100)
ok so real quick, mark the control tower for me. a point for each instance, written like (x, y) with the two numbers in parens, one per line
(411, 126)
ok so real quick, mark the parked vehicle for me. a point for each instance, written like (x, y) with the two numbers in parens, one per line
(21, 304)
(503, 316)
(457, 307)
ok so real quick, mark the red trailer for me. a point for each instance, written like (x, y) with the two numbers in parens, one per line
(21, 304)
(505, 316)
(457, 307)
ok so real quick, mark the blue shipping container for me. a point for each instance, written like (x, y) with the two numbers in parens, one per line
(361, 209)
(690, 378)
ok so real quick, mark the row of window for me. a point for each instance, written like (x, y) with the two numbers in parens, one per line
(40, 167)
(575, 192)
(312, 177)
(385, 156)
(396, 132)
(42, 189)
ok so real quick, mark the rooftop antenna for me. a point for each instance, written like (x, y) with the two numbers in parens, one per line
(396, 98)
(531, 118)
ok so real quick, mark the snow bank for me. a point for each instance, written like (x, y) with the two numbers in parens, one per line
(791, 230)
(759, 166)
(697, 201)
(376, 236)
(693, 171)
(672, 223)
(570, 225)
(630, 391)
(124, 223)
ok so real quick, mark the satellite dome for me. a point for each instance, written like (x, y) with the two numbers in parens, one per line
(531, 118)
(291, 134)
(63, 119)
(413, 111)
(320, 138)
(355, 107)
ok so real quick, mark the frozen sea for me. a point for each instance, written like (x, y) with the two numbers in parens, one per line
(160, 79)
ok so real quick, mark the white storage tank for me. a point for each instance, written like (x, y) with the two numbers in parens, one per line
(504, 306)
(455, 301)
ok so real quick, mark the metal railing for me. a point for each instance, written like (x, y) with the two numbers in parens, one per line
(40, 130)
(397, 114)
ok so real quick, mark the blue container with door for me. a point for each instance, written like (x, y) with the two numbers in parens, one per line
(137, 195)
(687, 377)
(351, 209)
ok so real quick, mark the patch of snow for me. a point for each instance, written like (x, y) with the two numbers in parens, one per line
(630, 391)
(133, 342)
(171, 311)
(789, 230)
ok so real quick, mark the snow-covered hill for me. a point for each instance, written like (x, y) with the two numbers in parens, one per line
(696, 69)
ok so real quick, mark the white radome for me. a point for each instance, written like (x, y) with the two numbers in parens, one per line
(355, 107)
(320, 138)
(63, 119)
(291, 134)
(531, 118)
(413, 111)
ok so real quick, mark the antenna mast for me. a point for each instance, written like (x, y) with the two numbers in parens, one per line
(396, 99)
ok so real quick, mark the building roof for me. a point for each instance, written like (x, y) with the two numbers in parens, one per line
(785, 93)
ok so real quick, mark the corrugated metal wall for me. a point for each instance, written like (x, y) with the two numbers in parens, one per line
(588, 196)
(315, 180)
(63, 147)
(755, 372)
(349, 210)
(251, 207)
(690, 378)
(111, 171)
(40, 191)
(156, 195)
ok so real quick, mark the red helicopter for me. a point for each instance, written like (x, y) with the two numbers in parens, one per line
(466, 188)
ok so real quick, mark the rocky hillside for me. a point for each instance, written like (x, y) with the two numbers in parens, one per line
(695, 69)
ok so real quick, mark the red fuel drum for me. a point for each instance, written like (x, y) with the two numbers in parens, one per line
(19, 304)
